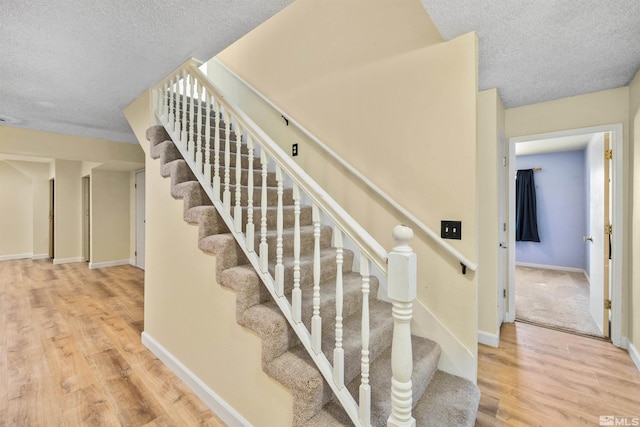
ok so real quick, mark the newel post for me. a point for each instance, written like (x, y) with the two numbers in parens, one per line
(402, 268)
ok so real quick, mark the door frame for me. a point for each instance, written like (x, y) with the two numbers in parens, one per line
(616, 220)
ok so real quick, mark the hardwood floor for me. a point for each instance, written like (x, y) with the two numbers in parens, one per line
(70, 354)
(542, 377)
(70, 351)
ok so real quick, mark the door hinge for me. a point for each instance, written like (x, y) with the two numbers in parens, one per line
(504, 161)
(504, 293)
(607, 304)
(136, 253)
(608, 229)
(608, 154)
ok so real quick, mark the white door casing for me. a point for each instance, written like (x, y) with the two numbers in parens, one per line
(140, 218)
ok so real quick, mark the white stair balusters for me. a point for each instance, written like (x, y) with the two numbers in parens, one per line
(198, 134)
(249, 234)
(365, 388)
(338, 352)
(402, 291)
(217, 111)
(296, 295)
(207, 136)
(316, 320)
(279, 272)
(237, 211)
(226, 194)
(184, 107)
(264, 247)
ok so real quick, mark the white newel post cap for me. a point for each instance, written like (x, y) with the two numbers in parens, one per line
(402, 271)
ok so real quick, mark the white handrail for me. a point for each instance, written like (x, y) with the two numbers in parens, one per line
(373, 187)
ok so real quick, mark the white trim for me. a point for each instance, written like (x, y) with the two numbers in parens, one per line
(132, 261)
(57, 261)
(492, 340)
(94, 265)
(619, 230)
(635, 355)
(455, 358)
(15, 256)
(216, 403)
(551, 267)
(40, 256)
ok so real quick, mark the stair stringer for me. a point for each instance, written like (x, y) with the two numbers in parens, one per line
(198, 325)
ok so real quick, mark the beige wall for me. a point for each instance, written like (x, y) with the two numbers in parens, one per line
(68, 211)
(110, 216)
(16, 213)
(634, 118)
(38, 173)
(404, 115)
(193, 317)
(600, 108)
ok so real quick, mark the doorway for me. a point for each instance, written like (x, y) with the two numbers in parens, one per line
(140, 218)
(614, 295)
(52, 218)
(86, 218)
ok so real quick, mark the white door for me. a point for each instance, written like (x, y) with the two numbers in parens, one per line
(503, 272)
(598, 241)
(140, 218)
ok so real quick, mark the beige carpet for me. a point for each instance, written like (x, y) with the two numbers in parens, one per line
(553, 298)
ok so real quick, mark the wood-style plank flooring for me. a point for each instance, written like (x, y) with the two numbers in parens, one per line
(70, 355)
(543, 377)
(70, 351)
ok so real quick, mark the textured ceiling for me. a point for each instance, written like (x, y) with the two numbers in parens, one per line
(539, 50)
(71, 66)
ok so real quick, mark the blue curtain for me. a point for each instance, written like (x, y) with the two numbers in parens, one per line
(526, 215)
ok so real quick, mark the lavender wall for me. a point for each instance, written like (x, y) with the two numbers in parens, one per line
(562, 210)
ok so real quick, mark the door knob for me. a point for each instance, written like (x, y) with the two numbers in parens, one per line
(585, 238)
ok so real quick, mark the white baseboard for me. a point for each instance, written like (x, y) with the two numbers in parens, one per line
(455, 358)
(40, 256)
(132, 262)
(635, 355)
(94, 265)
(15, 256)
(492, 340)
(57, 261)
(552, 267)
(218, 405)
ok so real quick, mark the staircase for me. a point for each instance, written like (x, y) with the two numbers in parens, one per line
(356, 330)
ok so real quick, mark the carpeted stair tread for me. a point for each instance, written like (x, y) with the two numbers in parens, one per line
(449, 400)
(296, 370)
(244, 280)
(307, 240)
(426, 354)
(208, 219)
(225, 248)
(288, 218)
(328, 267)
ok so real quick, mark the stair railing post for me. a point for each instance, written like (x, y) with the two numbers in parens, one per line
(402, 272)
